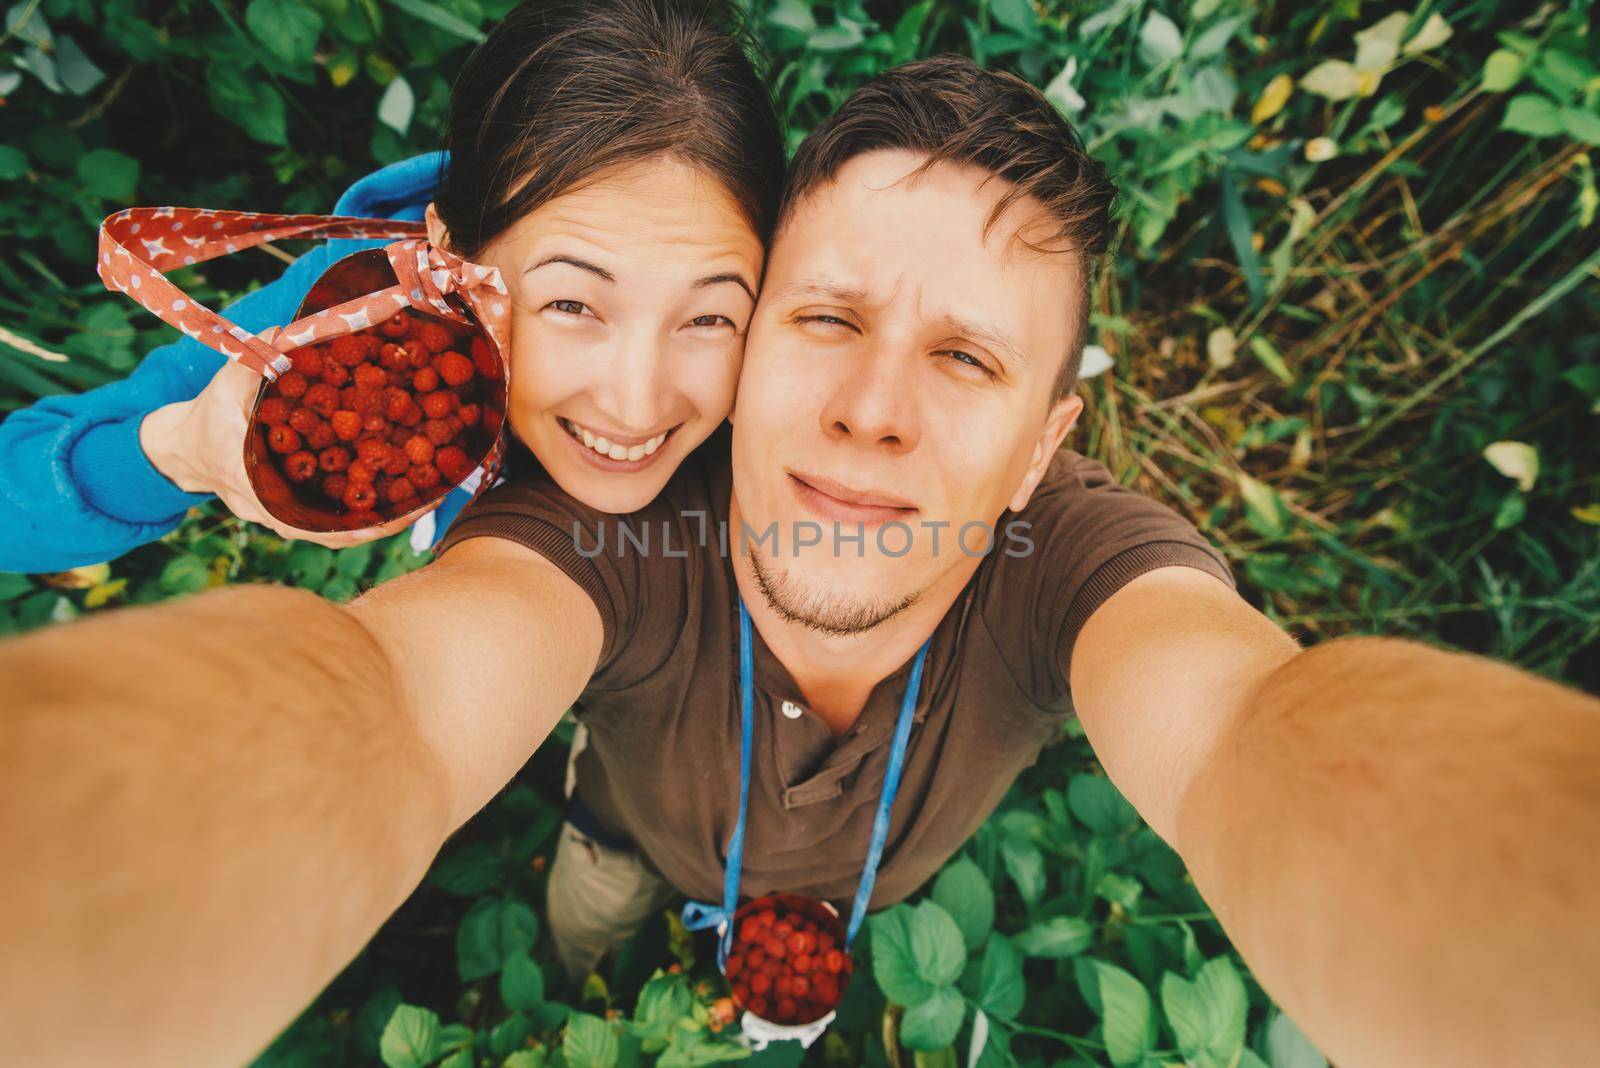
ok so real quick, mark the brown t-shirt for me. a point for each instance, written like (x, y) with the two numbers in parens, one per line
(662, 766)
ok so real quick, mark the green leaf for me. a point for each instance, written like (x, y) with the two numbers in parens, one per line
(408, 1039)
(1288, 1047)
(792, 15)
(1270, 359)
(1501, 70)
(288, 28)
(1058, 938)
(76, 70)
(108, 173)
(1096, 801)
(1582, 124)
(1532, 114)
(250, 102)
(1001, 990)
(935, 1023)
(915, 950)
(490, 933)
(509, 1034)
(461, 1058)
(373, 1018)
(1160, 40)
(396, 105)
(1263, 510)
(438, 17)
(468, 871)
(842, 35)
(525, 1058)
(14, 586)
(590, 1042)
(1208, 1014)
(1129, 1026)
(1236, 219)
(964, 892)
(1017, 16)
(13, 163)
(185, 574)
(1025, 864)
(664, 1003)
(521, 983)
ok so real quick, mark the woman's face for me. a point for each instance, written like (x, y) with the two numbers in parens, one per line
(630, 301)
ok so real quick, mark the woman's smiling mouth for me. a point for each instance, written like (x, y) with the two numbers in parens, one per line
(613, 455)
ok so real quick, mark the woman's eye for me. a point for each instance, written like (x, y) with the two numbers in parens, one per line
(710, 320)
(568, 307)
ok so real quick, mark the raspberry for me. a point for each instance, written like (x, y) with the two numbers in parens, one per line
(437, 405)
(492, 418)
(454, 368)
(398, 436)
(299, 466)
(735, 965)
(348, 350)
(795, 943)
(786, 1010)
(371, 376)
(363, 471)
(483, 359)
(303, 419)
(273, 411)
(307, 360)
(374, 421)
(760, 984)
(783, 986)
(334, 459)
(774, 947)
(434, 335)
(755, 959)
(322, 399)
(292, 384)
(468, 414)
(438, 431)
(396, 325)
(410, 415)
(392, 357)
(747, 929)
(425, 380)
(417, 355)
(833, 960)
(758, 1006)
(336, 375)
(396, 462)
(368, 400)
(359, 495)
(453, 463)
(423, 476)
(420, 449)
(801, 986)
(320, 436)
(401, 489)
(802, 962)
(334, 486)
(373, 450)
(346, 424)
(282, 439)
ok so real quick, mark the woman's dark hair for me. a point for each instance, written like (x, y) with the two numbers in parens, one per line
(562, 91)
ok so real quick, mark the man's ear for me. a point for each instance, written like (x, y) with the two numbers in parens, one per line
(438, 236)
(1063, 413)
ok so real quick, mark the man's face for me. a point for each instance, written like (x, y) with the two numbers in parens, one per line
(899, 379)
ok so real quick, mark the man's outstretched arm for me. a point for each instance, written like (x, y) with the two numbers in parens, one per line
(209, 806)
(1399, 840)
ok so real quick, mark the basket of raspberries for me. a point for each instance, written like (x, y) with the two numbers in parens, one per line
(788, 963)
(387, 390)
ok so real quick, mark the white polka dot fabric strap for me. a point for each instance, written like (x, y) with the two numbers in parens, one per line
(139, 245)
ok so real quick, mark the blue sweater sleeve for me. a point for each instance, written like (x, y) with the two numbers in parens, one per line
(75, 485)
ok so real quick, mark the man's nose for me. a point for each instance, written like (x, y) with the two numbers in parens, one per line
(875, 402)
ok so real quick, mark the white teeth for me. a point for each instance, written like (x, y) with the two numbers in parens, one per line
(615, 451)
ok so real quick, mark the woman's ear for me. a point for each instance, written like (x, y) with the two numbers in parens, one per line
(437, 234)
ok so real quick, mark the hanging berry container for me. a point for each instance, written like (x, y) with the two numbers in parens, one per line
(788, 965)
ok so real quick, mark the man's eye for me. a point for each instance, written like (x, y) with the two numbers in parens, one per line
(967, 358)
(830, 320)
(568, 307)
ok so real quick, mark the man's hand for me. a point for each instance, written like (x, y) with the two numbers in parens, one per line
(1397, 839)
(216, 801)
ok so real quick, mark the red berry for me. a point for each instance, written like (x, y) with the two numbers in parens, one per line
(273, 411)
(795, 943)
(375, 422)
(774, 947)
(801, 986)
(395, 404)
(483, 360)
(303, 419)
(420, 449)
(760, 983)
(336, 375)
(334, 459)
(833, 960)
(438, 431)
(362, 471)
(371, 376)
(392, 357)
(282, 439)
(346, 425)
(783, 929)
(434, 335)
(454, 368)
(334, 486)
(398, 436)
(786, 1010)
(292, 384)
(396, 325)
(468, 414)
(784, 985)
(741, 993)
(396, 462)
(322, 399)
(307, 360)
(359, 496)
(439, 404)
(348, 350)
(410, 415)
(320, 436)
(735, 965)
(492, 418)
(401, 489)
(417, 355)
(802, 962)
(757, 1005)
(299, 466)
(748, 928)
(453, 464)
(425, 380)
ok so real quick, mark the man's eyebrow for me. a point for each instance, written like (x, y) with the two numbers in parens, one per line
(726, 276)
(573, 261)
(821, 287)
(990, 335)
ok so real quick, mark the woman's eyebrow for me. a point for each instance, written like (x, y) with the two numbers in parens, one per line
(573, 261)
(726, 276)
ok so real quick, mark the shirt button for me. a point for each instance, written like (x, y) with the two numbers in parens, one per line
(792, 710)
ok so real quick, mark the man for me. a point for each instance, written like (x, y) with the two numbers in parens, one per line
(1378, 824)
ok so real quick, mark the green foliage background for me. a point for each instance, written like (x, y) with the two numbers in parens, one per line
(1352, 332)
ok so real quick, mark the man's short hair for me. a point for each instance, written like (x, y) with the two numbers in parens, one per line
(954, 111)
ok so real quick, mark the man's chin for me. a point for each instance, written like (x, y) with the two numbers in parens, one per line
(800, 592)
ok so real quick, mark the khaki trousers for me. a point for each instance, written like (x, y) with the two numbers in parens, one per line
(596, 897)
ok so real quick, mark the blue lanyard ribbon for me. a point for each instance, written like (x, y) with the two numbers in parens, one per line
(699, 915)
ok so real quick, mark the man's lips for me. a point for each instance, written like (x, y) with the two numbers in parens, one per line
(838, 502)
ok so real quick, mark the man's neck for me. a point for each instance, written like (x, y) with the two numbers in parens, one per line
(837, 673)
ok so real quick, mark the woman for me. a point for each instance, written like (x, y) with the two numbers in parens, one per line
(619, 162)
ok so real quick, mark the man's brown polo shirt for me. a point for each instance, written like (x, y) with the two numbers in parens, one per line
(662, 766)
